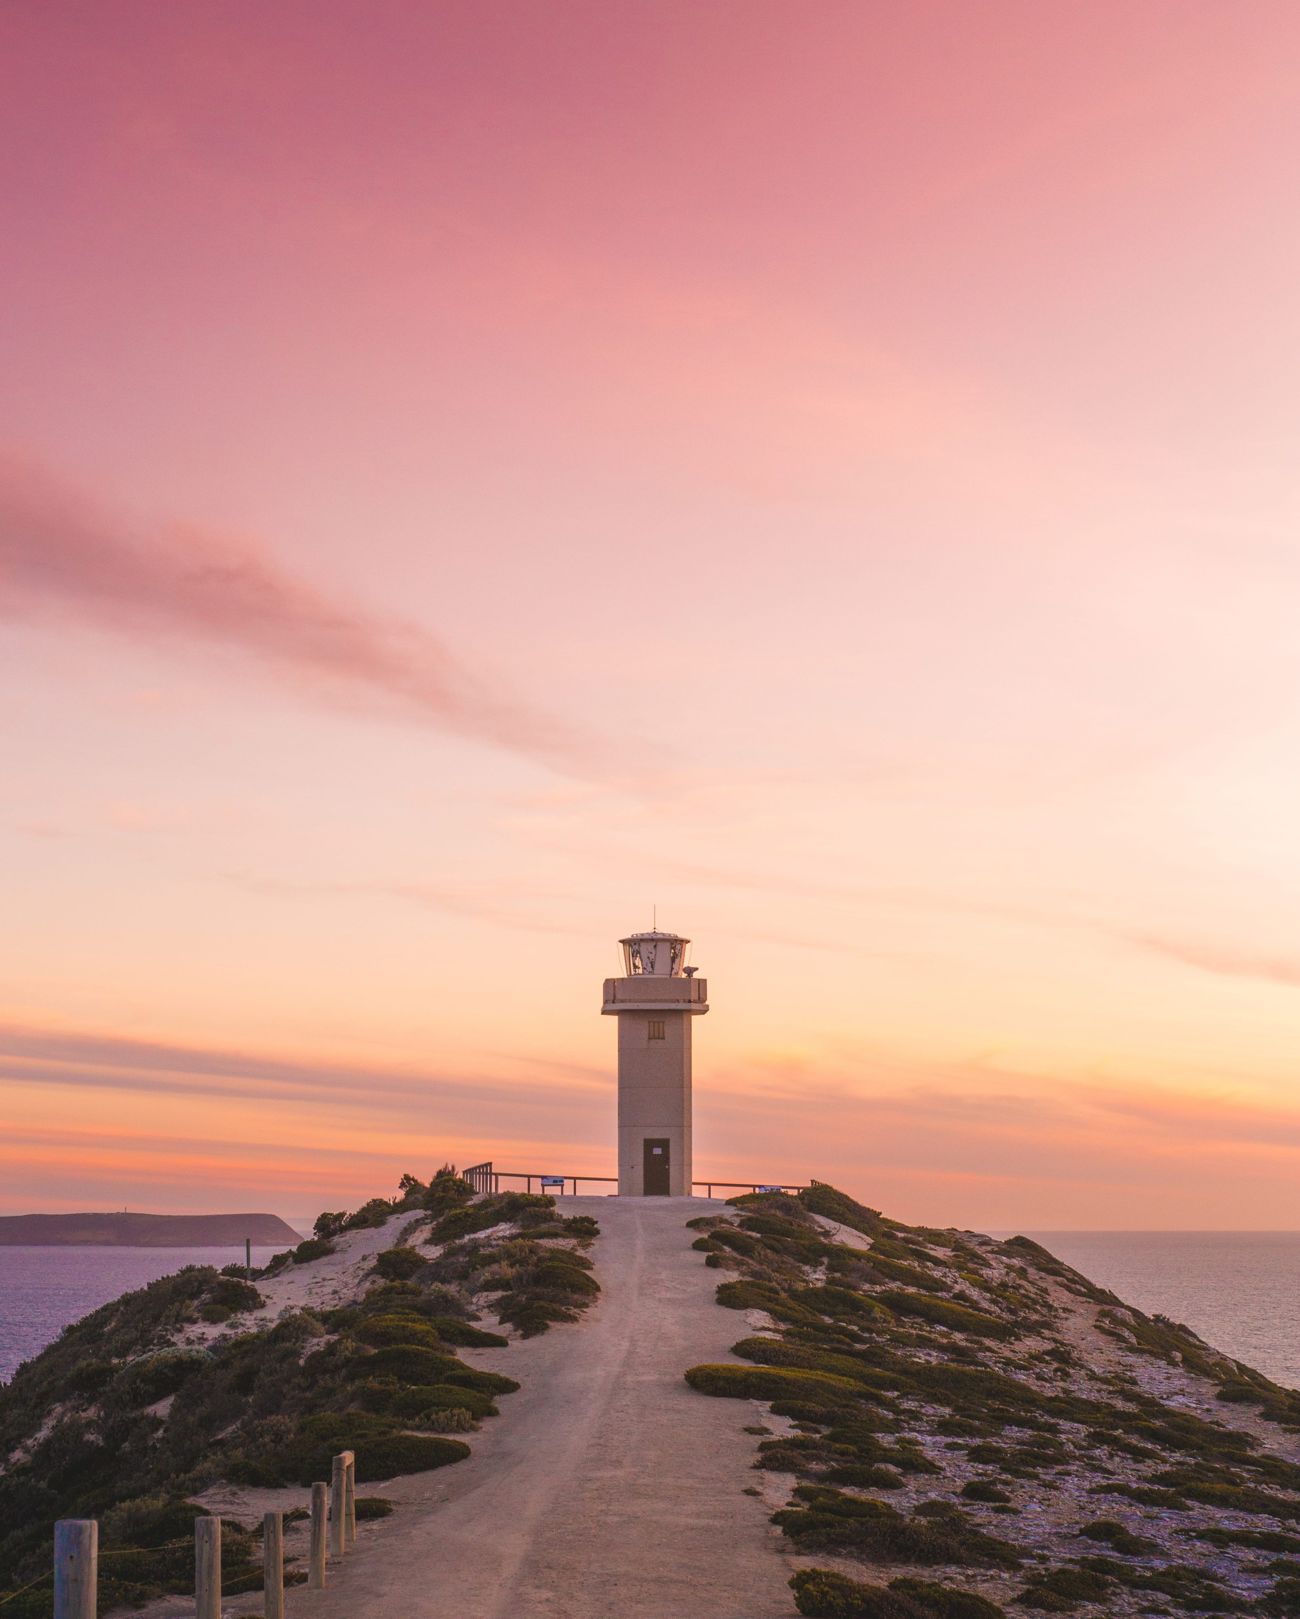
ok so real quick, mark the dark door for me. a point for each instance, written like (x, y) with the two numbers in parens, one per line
(655, 1168)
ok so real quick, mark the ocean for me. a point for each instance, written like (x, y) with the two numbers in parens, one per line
(43, 1289)
(1239, 1289)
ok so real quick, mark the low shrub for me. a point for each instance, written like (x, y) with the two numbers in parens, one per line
(235, 1295)
(943, 1602)
(399, 1264)
(369, 1507)
(1119, 1538)
(471, 1377)
(384, 1331)
(944, 1313)
(408, 1363)
(382, 1451)
(753, 1295)
(1064, 1588)
(446, 1191)
(835, 1205)
(153, 1378)
(773, 1383)
(828, 1520)
(466, 1336)
(983, 1489)
(372, 1213)
(455, 1420)
(1267, 1540)
(410, 1402)
(312, 1249)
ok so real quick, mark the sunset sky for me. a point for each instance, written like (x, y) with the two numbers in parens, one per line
(472, 474)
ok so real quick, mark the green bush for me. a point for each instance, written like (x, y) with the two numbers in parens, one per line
(838, 1206)
(399, 1264)
(943, 1313)
(235, 1295)
(1118, 1537)
(943, 1602)
(983, 1489)
(754, 1295)
(372, 1213)
(1064, 1588)
(466, 1336)
(827, 1520)
(382, 1451)
(146, 1381)
(411, 1401)
(447, 1191)
(313, 1248)
(383, 1331)
(408, 1363)
(820, 1593)
(369, 1507)
(773, 1383)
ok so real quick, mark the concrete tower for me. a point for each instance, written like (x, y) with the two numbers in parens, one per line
(654, 1003)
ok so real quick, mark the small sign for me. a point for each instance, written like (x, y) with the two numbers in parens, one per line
(769, 1188)
(553, 1180)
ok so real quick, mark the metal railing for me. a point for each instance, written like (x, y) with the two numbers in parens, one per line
(485, 1178)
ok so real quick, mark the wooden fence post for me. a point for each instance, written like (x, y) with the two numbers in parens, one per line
(76, 1568)
(338, 1488)
(273, 1564)
(207, 1568)
(349, 1498)
(319, 1510)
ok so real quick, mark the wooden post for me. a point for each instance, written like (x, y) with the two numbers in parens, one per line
(316, 1567)
(207, 1568)
(338, 1489)
(349, 1500)
(248, 1259)
(273, 1565)
(76, 1568)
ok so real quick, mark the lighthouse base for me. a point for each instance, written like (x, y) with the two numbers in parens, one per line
(654, 1160)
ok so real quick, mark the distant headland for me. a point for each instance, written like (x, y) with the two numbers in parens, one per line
(145, 1230)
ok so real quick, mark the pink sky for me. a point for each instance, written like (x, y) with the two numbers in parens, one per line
(471, 474)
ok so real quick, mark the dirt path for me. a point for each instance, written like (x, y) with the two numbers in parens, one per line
(606, 1487)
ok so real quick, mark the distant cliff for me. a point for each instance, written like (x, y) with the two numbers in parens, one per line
(146, 1230)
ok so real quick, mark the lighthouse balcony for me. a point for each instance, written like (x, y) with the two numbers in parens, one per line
(652, 993)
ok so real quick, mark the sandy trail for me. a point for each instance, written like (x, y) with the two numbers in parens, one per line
(607, 1486)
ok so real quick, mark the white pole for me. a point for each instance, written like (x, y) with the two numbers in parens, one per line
(207, 1568)
(338, 1472)
(273, 1564)
(76, 1568)
(319, 1511)
(349, 1498)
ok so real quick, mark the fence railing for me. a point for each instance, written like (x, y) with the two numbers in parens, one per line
(333, 1533)
(485, 1178)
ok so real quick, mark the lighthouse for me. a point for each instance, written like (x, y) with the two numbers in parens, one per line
(654, 1002)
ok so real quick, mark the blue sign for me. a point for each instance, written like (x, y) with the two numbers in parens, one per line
(769, 1188)
(552, 1180)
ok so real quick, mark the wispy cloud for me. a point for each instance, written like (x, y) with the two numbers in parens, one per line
(1221, 959)
(116, 1062)
(59, 551)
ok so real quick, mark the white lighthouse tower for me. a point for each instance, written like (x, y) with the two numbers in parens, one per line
(654, 1003)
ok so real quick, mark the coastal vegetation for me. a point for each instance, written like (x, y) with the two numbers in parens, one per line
(206, 1378)
(988, 1432)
